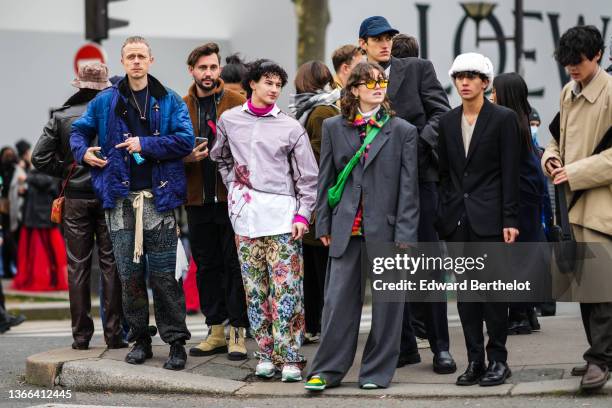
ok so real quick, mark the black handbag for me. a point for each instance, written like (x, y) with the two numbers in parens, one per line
(565, 247)
(567, 252)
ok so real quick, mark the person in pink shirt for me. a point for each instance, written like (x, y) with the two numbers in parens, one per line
(268, 166)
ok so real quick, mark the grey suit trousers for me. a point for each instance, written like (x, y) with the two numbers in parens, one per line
(340, 326)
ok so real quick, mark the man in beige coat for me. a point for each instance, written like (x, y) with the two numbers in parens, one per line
(585, 116)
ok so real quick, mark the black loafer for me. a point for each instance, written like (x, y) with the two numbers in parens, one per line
(472, 374)
(407, 359)
(497, 373)
(443, 363)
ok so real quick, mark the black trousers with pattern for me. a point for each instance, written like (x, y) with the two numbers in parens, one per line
(159, 259)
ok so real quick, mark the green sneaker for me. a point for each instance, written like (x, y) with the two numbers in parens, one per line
(369, 386)
(315, 383)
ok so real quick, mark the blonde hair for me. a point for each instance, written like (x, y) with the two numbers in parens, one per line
(136, 39)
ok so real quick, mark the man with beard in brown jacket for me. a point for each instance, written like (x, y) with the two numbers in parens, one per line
(210, 232)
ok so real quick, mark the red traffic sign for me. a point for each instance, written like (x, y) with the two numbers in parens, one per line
(89, 53)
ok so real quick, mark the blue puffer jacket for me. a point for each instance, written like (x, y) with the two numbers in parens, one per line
(172, 139)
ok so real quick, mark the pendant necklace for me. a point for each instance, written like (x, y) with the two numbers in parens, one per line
(143, 112)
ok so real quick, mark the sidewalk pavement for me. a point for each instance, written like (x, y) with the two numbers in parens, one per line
(540, 362)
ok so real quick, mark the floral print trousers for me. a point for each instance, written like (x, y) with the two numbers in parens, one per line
(272, 271)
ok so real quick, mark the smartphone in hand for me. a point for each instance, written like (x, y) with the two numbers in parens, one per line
(200, 140)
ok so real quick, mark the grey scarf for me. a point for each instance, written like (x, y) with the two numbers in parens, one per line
(302, 104)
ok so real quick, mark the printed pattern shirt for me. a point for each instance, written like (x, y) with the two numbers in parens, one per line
(269, 169)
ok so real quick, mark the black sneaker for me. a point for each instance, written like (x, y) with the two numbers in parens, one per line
(140, 352)
(177, 357)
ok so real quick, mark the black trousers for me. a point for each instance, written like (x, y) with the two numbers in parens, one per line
(315, 265)
(597, 321)
(472, 314)
(220, 287)
(434, 314)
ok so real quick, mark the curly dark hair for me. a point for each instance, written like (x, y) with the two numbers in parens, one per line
(577, 41)
(362, 72)
(261, 68)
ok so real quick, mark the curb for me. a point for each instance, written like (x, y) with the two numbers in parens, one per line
(87, 371)
(44, 368)
(101, 375)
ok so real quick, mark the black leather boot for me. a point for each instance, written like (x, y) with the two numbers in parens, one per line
(140, 352)
(177, 357)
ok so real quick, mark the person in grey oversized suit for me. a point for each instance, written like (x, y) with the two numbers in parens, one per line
(380, 203)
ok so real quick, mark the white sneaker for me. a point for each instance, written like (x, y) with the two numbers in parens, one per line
(265, 369)
(291, 373)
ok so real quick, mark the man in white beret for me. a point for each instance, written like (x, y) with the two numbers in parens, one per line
(478, 150)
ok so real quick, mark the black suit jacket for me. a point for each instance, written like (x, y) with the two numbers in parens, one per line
(417, 96)
(485, 184)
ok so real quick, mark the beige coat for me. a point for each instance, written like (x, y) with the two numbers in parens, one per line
(584, 121)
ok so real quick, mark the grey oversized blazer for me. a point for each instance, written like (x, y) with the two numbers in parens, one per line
(388, 181)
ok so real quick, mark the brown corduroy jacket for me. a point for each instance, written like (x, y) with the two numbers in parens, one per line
(227, 99)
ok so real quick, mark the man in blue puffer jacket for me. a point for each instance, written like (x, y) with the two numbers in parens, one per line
(143, 131)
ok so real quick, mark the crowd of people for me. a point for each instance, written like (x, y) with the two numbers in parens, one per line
(33, 252)
(278, 204)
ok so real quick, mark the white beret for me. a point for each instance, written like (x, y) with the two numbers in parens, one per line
(471, 61)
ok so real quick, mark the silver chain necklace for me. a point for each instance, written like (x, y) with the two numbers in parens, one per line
(143, 113)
